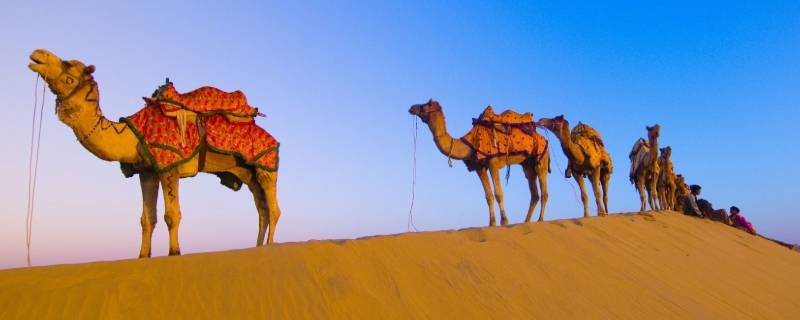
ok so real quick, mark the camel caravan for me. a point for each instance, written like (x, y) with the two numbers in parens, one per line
(177, 135)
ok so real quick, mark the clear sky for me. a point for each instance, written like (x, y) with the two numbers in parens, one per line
(336, 79)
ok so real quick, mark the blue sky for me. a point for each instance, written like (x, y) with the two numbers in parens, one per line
(336, 80)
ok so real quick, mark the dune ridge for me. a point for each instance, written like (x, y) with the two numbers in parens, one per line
(625, 266)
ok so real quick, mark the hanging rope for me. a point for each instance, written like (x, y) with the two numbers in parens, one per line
(33, 164)
(410, 224)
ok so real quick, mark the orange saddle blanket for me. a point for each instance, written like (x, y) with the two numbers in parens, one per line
(509, 133)
(169, 140)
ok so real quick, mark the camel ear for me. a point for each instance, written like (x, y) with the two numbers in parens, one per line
(430, 100)
(648, 128)
(89, 69)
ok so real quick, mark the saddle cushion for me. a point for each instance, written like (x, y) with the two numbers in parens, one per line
(507, 134)
(167, 146)
(204, 101)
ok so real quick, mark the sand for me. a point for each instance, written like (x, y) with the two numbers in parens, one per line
(628, 266)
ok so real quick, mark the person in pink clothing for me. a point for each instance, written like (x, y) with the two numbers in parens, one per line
(740, 222)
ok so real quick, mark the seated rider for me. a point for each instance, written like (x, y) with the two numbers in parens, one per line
(690, 207)
(740, 222)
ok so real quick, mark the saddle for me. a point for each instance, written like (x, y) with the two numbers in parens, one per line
(204, 101)
(509, 133)
(505, 121)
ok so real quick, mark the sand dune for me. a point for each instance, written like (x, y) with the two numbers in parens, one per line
(625, 266)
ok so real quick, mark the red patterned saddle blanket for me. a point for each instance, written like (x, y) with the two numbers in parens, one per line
(203, 101)
(509, 133)
(172, 128)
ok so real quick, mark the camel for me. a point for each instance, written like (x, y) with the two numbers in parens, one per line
(77, 106)
(666, 180)
(535, 166)
(644, 166)
(681, 192)
(587, 157)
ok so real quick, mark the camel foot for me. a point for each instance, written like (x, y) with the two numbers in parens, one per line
(492, 223)
(141, 256)
(540, 220)
(504, 221)
(175, 252)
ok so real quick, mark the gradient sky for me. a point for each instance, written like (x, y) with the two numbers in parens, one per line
(336, 79)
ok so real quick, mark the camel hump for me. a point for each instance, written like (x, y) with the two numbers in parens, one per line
(637, 148)
(204, 100)
(584, 131)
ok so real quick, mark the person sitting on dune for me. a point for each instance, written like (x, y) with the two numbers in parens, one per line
(690, 207)
(740, 222)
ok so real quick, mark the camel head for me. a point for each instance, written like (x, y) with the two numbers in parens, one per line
(666, 152)
(64, 78)
(557, 124)
(653, 132)
(424, 110)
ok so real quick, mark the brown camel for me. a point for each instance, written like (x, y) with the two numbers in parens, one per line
(535, 166)
(666, 181)
(587, 157)
(644, 166)
(77, 106)
(681, 192)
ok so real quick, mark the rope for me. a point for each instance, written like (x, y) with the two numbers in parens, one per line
(410, 223)
(33, 165)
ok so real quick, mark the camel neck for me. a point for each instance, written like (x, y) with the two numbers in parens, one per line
(108, 140)
(452, 147)
(570, 149)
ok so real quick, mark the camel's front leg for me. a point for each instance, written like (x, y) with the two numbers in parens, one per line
(172, 215)
(487, 190)
(652, 194)
(498, 193)
(639, 181)
(149, 184)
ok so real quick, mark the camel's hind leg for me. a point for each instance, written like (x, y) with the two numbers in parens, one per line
(530, 175)
(149, 184)
(246, 175)
(172, 215)
(605, 176)
(595, 179)
(498, 194)
(269, 184)
(584, 198)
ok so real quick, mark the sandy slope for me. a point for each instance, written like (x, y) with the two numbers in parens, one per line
(620, 267)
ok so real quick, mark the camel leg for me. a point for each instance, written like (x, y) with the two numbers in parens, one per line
(172, 215)
(640, 188)
(487, 190)
(584, 197)
(652, 194)
(149, 183)
(598, 197)
(246, 176)
(606, 176)
(269, 183)
(543, 169)
(498, 194)
(530, 175)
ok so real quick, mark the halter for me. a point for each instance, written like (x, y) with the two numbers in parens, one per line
(75, 89)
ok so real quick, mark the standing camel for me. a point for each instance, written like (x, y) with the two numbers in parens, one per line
(587, 157)
(534, 165)
(644, 166)
(77, 106)
(666, 180)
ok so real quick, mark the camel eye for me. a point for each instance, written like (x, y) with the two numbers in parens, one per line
(69, 80)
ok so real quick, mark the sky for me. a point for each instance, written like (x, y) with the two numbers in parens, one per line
(336, 79)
